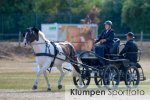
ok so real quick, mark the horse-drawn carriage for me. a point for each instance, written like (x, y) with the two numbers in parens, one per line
(110, 70)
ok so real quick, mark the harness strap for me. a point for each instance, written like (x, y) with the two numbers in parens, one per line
(44, 54)
(49, 54)
(55, 54)
(47, 47)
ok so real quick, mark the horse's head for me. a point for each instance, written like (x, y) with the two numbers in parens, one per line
(31, 35)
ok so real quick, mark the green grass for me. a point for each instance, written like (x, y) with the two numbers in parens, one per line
(25, 80)
(19, 75)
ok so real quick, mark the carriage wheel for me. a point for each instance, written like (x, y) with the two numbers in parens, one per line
(111, 77)
(132, 77)
(98, 80)
(85, 79)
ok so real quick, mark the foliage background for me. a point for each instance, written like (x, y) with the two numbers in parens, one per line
(126, 15)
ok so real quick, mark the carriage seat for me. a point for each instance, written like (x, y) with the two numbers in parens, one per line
(114, 51)
(115, 48)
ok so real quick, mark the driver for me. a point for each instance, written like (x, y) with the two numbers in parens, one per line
(130, 50)
(105, 40)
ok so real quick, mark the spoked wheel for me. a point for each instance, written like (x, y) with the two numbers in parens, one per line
(111, 77)
(132, 77)
(83, 81)
(98, 80)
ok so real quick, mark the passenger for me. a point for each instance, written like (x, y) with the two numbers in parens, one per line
(130, 50)
(105, 39)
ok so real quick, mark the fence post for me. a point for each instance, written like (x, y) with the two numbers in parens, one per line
(141, 38)
(2, 23)
(19, 39)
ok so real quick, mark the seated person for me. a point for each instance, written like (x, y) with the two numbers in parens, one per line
(105, 40)
(130, 50)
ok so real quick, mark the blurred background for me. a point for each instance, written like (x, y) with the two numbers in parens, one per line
(16, 62)
(126, 15)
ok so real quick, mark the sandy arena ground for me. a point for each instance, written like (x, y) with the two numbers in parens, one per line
(17, 76)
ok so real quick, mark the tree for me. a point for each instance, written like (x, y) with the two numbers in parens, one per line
(135, 14)
(111, 10)
(92, 17)
(16, 15)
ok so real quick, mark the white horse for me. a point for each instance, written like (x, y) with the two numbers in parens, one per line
(40, 44)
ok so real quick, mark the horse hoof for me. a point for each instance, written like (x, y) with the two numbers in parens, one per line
(34, 87)
(59, 86)
(48, 89)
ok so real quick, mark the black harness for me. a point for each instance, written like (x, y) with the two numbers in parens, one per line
(55, 54)
(56, 51)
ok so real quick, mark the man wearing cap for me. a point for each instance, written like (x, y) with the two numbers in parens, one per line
(130, 50)
(105, 39)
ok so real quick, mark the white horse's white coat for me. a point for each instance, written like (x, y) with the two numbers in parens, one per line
(45, 61)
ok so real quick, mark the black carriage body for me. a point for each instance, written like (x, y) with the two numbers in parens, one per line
(93, 63)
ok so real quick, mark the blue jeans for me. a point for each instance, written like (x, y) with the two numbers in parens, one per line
(100, 49)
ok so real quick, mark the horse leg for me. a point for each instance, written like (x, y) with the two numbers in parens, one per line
(47, 81)
(76, 74)
(62, 74)
(80, 80)
(38, 76)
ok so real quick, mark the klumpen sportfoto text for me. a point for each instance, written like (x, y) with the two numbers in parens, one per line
(127, 92)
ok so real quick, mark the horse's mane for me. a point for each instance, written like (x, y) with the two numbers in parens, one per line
(42, 35)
